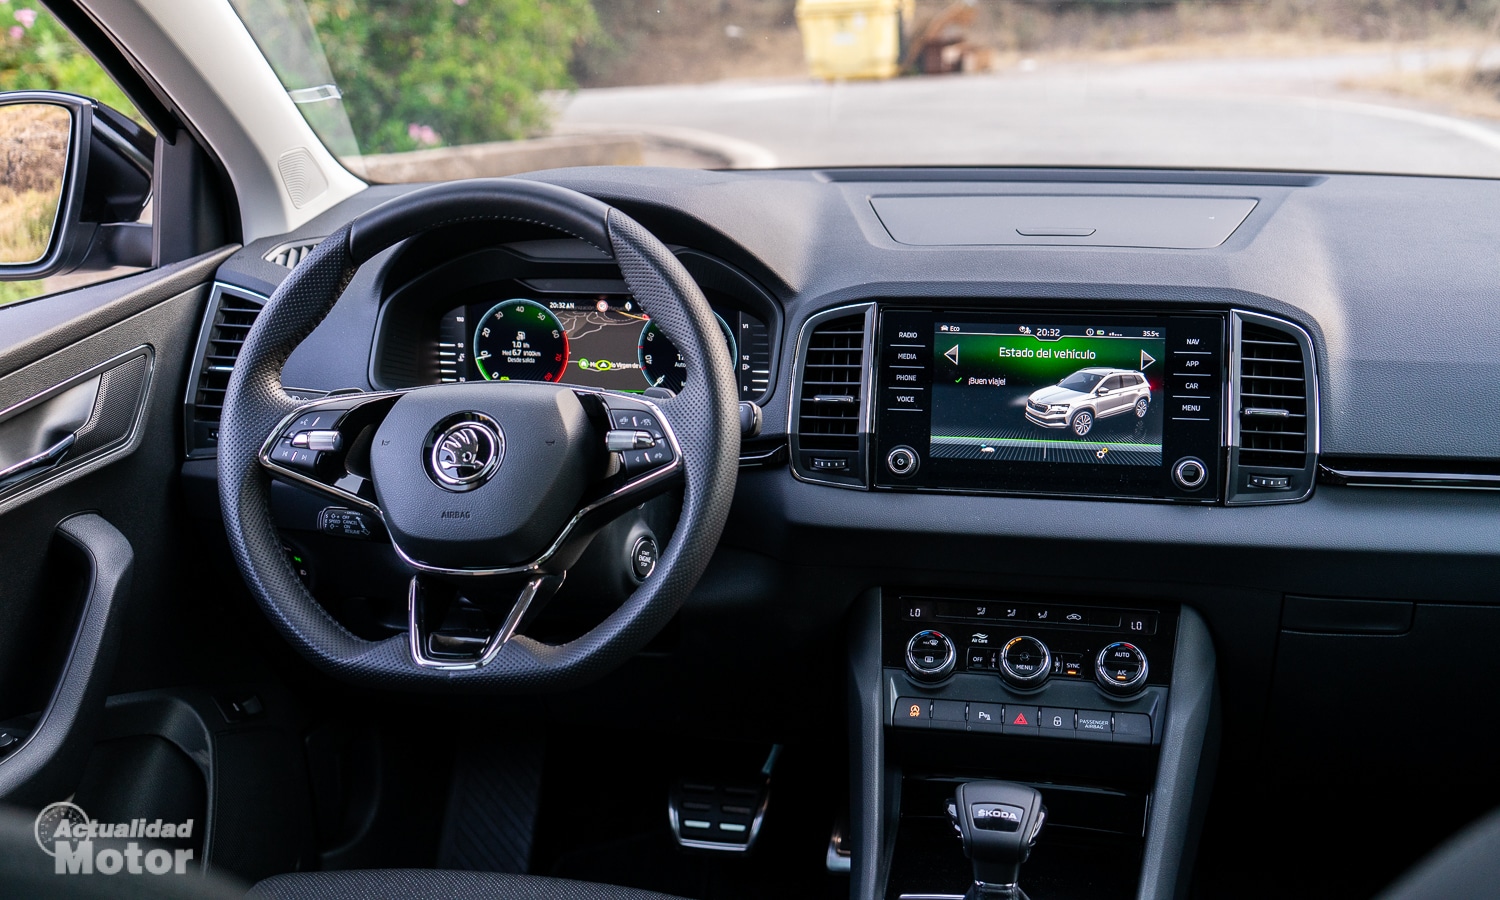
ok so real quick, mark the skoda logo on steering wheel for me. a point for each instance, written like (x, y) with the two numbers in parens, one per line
(464, 454)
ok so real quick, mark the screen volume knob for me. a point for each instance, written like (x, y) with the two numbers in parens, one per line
(1121, 668)
(902, 461)
(930, 656)
(1025, 662)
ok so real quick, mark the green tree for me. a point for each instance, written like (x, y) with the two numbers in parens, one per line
(425, 73)
(38, 54)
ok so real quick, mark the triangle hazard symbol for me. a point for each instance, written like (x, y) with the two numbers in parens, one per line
(1020, 719)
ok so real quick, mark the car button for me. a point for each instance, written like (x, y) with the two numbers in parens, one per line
(1093, 725)
(1057, 722)
(911, 712)
(986, 717)
(1132, 728)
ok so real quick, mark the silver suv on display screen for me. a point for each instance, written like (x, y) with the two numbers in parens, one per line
(1087, 395)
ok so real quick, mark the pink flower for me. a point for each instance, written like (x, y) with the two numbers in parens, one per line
(460, 2)
(27, 17)
(423, 134)
(17, 32)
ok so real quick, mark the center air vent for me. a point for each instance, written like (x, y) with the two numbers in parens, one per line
(231, 312)
(828, 436)
(1275, 446)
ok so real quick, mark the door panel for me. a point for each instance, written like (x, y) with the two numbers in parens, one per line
(105, 365)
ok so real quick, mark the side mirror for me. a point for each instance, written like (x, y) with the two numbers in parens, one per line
(75, 177)
(1101, 392)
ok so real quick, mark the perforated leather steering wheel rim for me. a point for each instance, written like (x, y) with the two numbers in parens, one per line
(704, 416)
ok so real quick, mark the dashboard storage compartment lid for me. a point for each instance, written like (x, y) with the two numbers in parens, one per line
(1092, 220)
(1326, 615)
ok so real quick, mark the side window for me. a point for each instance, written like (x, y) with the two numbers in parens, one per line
(1111, 383)
(38, 54)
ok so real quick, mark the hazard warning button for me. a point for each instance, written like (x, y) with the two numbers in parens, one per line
(1022, 720)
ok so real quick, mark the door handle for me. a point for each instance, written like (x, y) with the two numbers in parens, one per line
(38, 464)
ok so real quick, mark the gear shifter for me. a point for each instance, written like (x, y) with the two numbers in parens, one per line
(999, 822)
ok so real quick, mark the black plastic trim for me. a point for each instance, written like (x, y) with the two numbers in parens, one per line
(43, 767)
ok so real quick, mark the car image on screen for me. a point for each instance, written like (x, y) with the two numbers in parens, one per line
(1088, 395)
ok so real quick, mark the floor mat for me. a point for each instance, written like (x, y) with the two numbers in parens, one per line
(492, 807)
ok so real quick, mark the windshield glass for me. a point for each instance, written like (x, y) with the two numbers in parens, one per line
(1082, 382)
(431, 89)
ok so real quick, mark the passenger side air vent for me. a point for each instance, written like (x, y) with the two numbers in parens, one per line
(829, 436)
(1274, 452)
(288, 255)
(231, 312)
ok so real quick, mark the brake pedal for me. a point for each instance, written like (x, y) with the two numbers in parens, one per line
(723, 814)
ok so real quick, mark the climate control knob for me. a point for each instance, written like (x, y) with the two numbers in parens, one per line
(1121, 668)
(1025, 662)
(930, 656)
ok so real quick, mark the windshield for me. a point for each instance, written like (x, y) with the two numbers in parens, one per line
(431, 89)
(1082, 382)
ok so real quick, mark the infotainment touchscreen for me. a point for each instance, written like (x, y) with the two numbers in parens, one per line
(1122, 404)
(1044, 391)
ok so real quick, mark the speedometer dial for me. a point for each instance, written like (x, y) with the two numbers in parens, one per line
(520, 340)
(662, 364)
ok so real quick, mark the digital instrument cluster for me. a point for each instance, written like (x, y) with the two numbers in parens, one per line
(604, 341)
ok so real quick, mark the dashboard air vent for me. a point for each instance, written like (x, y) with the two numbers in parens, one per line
(1273, 399)
(1273, 451)
(231, 313)
(828, 404)
(288, 255)
(832, 376)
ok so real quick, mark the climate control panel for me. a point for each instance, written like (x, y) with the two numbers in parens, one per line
(968, 662)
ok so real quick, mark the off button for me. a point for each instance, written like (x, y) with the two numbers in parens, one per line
(902, 461)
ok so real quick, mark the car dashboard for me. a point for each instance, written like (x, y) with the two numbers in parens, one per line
(1101, 480)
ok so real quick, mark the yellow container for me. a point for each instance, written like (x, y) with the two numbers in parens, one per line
(848, 39)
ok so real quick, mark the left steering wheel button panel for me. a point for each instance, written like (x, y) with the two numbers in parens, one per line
(295, 457)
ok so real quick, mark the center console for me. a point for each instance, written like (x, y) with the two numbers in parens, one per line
(1102, 707)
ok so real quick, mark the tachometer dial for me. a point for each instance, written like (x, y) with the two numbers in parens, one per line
(520, 340)
(662, 365)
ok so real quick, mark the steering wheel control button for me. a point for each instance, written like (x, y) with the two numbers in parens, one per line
(323, 419)
(643, 557)
(1190, 473)
(930, 656)
(620, 440)
(911, 712)
(1121, 668)
(294, 457)
(1025, 662)
(318, 440)
(902, 461)
(996, 816)
(639, 461)
(1132, 728)
(345, 523)
(466, 452)
(1093, 725)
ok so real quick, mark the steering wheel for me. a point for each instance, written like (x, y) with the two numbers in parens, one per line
(489, 490)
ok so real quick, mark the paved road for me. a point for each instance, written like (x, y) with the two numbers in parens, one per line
(1258, 113)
